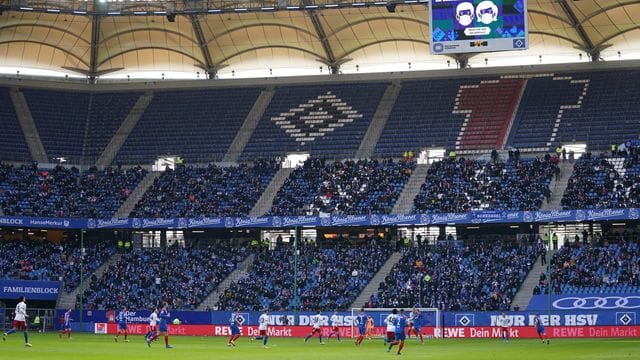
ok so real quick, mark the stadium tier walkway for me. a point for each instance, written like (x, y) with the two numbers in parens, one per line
(110, 152)
(249, 125)
(241, 271)
(558, 186)
(379, 120)
(525, 293)
(136, 194)
(266, 199)
(404, 204)
(28, 125)
(68, 300)
(372, 286)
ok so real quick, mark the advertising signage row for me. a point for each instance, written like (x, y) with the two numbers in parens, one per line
(474, 217)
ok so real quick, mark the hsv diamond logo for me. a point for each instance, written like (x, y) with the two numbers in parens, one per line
(465, 319)
(316, 118)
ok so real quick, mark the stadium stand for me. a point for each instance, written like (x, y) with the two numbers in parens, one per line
(211, 191)
(65, 192)
(198, 125)
(479, 277)
(61, 119)
(600, 182)
(579, 268)
(460, 185)
(328, 278)
(44, 260)
(144, 278)
(342, 187)
(326, 121)
(13, 146)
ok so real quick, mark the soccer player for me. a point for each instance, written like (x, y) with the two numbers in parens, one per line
(391, 327)
(152, 335)
(66, 326)
(234, 325)
(542, 334)
(20, 321)
(400, 323)
(263, 325)
(416, 324)
(370, 327)
(121, 318)
(505, 323)
(164, 324)
(316, 323)
(335, 330)
(361, 321)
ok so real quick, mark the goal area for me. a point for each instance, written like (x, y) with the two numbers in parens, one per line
(431, 321)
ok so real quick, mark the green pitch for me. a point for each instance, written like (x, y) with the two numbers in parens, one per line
(97, 347)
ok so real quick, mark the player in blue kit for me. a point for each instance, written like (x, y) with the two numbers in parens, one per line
(400, 323)
(416, 320)
(66, 326)
(361, 323)
(121, 319)
(164, 324)
(542, 334)
(234, 325)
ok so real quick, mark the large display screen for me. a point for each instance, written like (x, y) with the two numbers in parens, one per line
(465, 26)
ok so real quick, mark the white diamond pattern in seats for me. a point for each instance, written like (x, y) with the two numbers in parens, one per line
(315, 118)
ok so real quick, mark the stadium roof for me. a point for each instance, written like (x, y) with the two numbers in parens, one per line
(261, 38)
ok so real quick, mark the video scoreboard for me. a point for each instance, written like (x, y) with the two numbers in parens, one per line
(467, 26)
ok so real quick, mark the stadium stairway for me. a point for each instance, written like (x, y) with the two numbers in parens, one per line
(68, 300)
(404, 204)
(266, 199)
(372, 286)
(109, 153)
(526, 289)
(241, 271)
(249, 125)
(28, 126)
(379, 120)
(558, 187)
(136, 194)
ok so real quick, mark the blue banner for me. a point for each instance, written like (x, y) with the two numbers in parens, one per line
(34, 290)
(618, 302)
(556, 318)
(473, 217)
(448, 319)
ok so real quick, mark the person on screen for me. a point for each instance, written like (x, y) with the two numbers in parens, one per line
(465, 13)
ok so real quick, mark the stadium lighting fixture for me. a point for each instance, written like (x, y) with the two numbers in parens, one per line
(267, 8)
(53, 10)
(26, 8)
(79, 12)
(359, 4)
(240, 9)
(331, 5)
(293, 7)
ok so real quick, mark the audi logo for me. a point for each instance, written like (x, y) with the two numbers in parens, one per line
(594, 302)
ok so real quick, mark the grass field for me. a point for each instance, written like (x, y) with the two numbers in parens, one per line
(96, 347)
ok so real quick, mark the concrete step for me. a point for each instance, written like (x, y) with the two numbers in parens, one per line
(404, 204)
(524, 294)
(265, 202)
(372, 286)
(68, 300)
(379, 120)
(136, 194)
(112, 149)
(249, 125)
(240, 271)
(28, 125)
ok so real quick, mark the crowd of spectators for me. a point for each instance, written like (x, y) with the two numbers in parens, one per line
(51, 261)
(343, 187)
(482, 277)
(596, 183)
(190, 191)
(183, 277)
(27, 190)
(460, 185)
(327, 277)
(579, 267)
